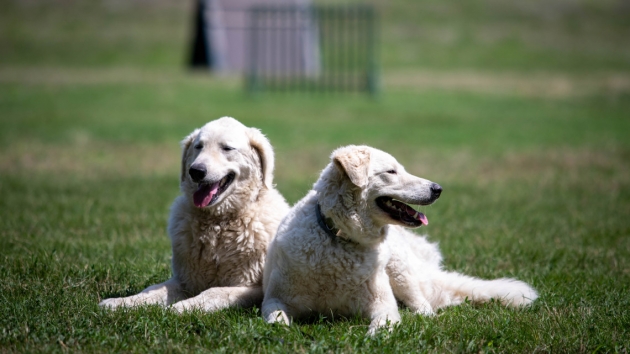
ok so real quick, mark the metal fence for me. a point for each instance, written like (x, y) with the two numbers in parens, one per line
(312, 49)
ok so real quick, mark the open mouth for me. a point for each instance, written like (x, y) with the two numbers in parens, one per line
(401, 212)
(208, 193)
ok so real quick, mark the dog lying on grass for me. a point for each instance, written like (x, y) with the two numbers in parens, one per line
(344, 248)
(222, 223)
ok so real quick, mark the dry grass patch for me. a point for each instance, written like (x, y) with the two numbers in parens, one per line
(548, 85)
(522, 84)
(121, 75)
(298, 164)
(90, 160)
(604, 168)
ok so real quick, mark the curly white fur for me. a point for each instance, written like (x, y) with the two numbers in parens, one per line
(373, 261)
(219, 249)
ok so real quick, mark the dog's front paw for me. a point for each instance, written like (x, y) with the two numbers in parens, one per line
(278, 317)
(422, 307)
(378, 325)
(199, 303)
(425, 312)
(182, 307)
(112, 303)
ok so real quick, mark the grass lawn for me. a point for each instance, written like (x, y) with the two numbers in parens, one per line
(522, 115)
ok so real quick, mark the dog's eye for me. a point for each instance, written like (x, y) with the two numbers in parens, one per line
(199, 146)
(392, 172)
(227, 148)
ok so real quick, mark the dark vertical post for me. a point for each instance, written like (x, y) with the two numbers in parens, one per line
(199, 56)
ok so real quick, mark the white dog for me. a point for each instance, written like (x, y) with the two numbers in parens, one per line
(344, 249)
(221, 225)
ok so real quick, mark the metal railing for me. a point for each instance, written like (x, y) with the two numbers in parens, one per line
(312, 49)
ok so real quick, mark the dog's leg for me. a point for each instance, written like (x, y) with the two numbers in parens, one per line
(381, 308)
(409, 291)
(385, 319)
(215, 299)
(275, 311)
(408, 287)
(159, 294)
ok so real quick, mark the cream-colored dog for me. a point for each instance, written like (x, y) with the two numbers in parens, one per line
(221, 225)
(344, 249)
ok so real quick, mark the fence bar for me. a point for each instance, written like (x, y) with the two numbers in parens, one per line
(312, 49)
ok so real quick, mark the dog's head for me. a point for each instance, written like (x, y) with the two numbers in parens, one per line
(225, 161)
(372, 188)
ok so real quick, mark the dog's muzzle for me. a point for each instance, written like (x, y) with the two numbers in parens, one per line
(197, 172)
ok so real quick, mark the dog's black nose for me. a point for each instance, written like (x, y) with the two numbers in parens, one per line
(436, 190)
(197, 172)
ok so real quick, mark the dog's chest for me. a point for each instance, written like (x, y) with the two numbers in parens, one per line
(225, 254)
(339, 264)
(225, 241)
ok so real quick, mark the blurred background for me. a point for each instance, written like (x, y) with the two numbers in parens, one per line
(519, 109)
(451, 75)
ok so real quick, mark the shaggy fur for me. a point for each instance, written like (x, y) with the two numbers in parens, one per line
(372, 261)
(222, 223)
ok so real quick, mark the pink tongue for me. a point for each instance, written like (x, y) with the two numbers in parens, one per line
(204, 194)
(417, 215)
(423, 219)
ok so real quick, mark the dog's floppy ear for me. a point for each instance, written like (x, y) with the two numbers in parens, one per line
(354, 161)
(185, 149)
(263, 148)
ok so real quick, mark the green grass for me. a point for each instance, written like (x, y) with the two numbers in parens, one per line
(536, 179)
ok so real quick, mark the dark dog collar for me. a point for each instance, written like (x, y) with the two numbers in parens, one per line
(329, 226)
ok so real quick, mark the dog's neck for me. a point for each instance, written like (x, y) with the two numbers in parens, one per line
(328, 225)
(340, 200)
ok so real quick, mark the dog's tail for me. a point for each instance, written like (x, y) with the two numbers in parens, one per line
(452, 288)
